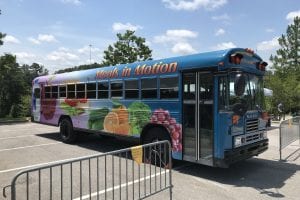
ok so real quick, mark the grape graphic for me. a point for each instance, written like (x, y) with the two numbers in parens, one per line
(163, 117)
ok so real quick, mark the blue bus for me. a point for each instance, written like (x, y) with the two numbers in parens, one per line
(208, 105)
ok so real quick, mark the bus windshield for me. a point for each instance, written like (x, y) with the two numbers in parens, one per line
(243, 89)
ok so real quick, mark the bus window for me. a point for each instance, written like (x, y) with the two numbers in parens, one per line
(62, 92)
(47, 92)
(91, 90)
(223, 93)
(132, 89)
(37, 93)
(71, 91)
(102, 90)
(169, 88)
(54, 92)
(149, 88)
(80, 91)
(116, 89)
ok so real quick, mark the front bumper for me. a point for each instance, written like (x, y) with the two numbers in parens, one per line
(243, 153)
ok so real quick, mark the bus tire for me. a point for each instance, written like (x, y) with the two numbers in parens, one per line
(152, 154)
(67, 133)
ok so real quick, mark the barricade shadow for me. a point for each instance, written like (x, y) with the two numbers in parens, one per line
(266, 176)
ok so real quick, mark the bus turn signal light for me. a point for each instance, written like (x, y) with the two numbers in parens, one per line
(235, 119)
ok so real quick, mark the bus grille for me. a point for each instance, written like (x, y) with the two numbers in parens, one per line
(251, 125)
(252, 137)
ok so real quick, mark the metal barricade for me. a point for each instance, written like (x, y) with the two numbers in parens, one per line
(289, 132)
(132, 173)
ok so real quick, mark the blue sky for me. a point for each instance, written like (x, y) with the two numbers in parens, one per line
(57, 33)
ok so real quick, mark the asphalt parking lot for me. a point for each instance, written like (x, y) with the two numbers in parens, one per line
(26, 145)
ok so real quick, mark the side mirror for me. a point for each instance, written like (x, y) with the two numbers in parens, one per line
(239, 84)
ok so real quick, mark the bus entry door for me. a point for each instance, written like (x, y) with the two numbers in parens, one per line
(198, 117)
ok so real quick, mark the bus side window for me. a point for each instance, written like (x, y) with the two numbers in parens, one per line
(47, 92)
(169, 88)
(91, 90)
(37, 93)
(62, 91)
(132, 89)
(80, 91)
(54, 92)
(103, 90)
(71, 91)
(116, 89)
(149, 88)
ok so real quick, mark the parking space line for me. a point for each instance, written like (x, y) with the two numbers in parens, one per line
(38, 165)
(21, 136)
(120, 186)
(1, 150)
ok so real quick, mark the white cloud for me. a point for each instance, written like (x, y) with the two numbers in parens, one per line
(268, 45)
(22, 55)
(74, 2)
(183, 48)
(61, 55)
(220, 32)
(176, 35)
(224, 17)
(33, 40)
(46, 38)
(25, 58)
(190, 5)
(11, 39)
(42, 38)
(118, 26)
(270, 30)
(291, 15)
(86, 50)
(224, 45)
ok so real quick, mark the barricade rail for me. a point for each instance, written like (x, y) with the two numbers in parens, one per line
(132, 173)
(289, 132)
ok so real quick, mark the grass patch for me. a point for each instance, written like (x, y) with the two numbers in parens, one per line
(11, 119)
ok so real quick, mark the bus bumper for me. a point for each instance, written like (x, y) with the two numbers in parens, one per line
(242, 153)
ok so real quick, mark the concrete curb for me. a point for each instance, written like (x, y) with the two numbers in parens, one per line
(14, 121)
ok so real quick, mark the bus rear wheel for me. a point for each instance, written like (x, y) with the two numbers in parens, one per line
(157, 154)
(67, 132)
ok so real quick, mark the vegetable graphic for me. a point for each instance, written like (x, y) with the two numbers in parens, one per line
(139, 116)
(74, 107)
(96, 118)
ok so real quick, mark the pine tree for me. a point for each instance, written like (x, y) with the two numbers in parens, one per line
(287, 58)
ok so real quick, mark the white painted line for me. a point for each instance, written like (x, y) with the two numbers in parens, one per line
(39, 145)
(37, 165)
(120, 186)
(5, 138)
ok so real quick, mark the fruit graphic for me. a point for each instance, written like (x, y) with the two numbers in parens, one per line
(111, 121)
(47, 106)
(117, 121)
(74, 107)
(163, 117)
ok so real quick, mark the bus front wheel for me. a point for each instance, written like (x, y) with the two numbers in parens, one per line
(157, 154)
(67, 132)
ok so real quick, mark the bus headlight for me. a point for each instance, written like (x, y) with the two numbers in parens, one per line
(238, 141)
(264, 135)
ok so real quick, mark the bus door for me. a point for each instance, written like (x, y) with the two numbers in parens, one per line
(36, 104)
(198, 117)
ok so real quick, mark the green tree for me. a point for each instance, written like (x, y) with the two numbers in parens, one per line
(285, 81)
(12, 86)
(2, 35)
(128, 49)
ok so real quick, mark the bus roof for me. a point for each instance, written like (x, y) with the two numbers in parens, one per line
(217, 59)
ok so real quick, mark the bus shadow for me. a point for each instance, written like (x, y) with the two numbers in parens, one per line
(266, 176)
(101, 144)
